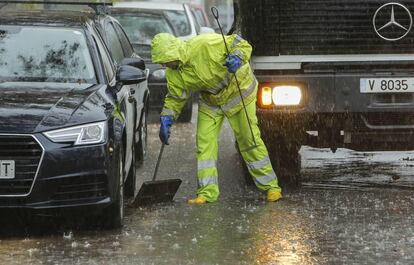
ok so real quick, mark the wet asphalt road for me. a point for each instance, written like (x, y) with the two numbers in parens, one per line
(354, 208)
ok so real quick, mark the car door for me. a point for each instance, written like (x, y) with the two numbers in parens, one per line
(126, 93)
(141, 90)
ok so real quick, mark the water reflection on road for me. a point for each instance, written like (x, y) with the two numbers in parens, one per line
(332, 219)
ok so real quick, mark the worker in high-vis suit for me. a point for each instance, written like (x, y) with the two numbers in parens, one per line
(202, 65)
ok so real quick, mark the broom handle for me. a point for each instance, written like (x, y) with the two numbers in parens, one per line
(158, 162)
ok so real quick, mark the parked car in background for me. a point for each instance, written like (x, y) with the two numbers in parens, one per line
(200, 15)
(178, 14)
(71, 113)
(142, 21)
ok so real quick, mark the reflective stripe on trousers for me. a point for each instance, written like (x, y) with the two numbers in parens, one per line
(206, 164)
(265, 180)
(203, 182)
(258, 164)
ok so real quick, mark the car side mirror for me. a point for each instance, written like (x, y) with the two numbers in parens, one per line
(129, 75)
(135, 62)
(204, 30)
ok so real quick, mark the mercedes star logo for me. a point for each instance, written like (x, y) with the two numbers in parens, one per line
(395, 28)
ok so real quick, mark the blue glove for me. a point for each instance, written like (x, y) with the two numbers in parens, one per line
(233, 62)
(166, 122)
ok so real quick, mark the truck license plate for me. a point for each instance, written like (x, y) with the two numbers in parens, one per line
(7, 169)
(386, 85)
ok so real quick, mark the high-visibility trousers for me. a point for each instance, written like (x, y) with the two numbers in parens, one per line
(256, 158)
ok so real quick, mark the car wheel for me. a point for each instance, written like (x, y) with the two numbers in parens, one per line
(131, 181)
(141, 148)
(113, 216)
(187, 112)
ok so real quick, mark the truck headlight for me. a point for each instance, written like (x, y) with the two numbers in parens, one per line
(266, 96)
(286, 95)
(271, 95)
(159, 74)
(92, 133)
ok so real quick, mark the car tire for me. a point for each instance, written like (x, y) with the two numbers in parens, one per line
(141, 146)
(113, 215)
(286, 161)
(187, 112)
(131, 181)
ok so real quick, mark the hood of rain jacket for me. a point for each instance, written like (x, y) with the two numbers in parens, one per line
(166, 48)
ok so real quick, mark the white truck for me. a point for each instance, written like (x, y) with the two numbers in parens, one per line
(332, 73)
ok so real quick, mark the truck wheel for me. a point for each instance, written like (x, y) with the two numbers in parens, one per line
(187, 112)
(286, 161)
(113, 215)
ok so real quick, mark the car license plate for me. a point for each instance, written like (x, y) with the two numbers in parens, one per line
(387, 85)
(7, 169)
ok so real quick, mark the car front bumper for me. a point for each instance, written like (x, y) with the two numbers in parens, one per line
(66, 176)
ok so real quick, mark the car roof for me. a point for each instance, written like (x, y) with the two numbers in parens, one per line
(150, 5)
(47, 17)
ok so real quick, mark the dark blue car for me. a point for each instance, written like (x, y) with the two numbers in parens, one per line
(73, 106)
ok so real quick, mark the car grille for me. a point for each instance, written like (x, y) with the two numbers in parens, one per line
(312, 27)
(81, 187)
(27, 153)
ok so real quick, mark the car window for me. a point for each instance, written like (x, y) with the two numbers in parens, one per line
(197, 25)
(141, 28)
(113, 43)
(108, 67)
(126, 45)
(53, 54)
(198, 14)
(180, 21)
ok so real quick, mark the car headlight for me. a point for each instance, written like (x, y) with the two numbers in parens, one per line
(279, 95)
(159, 74)
(92, 133)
